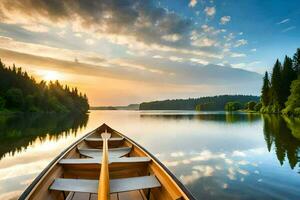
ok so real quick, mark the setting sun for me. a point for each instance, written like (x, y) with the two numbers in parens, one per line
(50, 75)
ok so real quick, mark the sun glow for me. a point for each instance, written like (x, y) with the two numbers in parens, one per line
(50, 75)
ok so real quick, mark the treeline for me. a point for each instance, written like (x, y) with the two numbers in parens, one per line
(249, 106)
(281, 91)
(20, 92)
(202, 103)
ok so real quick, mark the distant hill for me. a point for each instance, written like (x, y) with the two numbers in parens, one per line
(206, 103)
(129, 107)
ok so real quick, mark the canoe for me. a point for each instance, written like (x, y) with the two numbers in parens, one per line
(105, 164)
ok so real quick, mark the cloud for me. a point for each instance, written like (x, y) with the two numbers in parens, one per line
(143, 21)
(193, 3)
(171, 37)
(225, 19)
(288, 29)
(253, 50)
(39, 28)
(284, 21)
(199, 61)
(89, 41)
(210, 11)
(204, 42)
(175, 59)
(237, 55)
(240, 42)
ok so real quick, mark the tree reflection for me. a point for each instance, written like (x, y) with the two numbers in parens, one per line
(18, 132)
(227, 117)
(281, 134)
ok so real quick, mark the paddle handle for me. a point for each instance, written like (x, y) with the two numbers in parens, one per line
(103, 189)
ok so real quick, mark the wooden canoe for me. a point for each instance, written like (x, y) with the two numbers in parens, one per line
(105, 164)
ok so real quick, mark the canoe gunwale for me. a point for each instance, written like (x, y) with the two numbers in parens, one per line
(42, 175)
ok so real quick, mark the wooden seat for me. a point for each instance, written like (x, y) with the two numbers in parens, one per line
(90, 139)
(116, 185)
(96, 153)
(98, 160)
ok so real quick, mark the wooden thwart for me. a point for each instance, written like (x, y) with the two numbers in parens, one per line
(89, 139)
(96, 153)
(79, 161)
(116, 185)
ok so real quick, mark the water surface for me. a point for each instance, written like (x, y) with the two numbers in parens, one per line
(216, 155)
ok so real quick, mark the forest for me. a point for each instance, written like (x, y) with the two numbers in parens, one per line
(20, 92)
(281, 90)
(202, 103)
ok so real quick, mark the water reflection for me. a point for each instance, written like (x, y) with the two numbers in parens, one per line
(224, 117)
(217, 155)
(281, 134)
(18, 132)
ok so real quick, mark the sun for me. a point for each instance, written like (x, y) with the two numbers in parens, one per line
(48, 75)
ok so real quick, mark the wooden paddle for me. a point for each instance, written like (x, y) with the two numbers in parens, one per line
(103, 188)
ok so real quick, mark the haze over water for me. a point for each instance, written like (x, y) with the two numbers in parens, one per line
(216, 155)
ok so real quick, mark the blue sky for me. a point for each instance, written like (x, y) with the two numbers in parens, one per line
(166, 49)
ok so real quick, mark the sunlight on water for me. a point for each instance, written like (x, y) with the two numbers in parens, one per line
(216, 155)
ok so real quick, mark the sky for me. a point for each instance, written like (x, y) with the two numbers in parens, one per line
(130, 51)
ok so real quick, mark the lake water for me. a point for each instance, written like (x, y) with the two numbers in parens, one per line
(216, 155)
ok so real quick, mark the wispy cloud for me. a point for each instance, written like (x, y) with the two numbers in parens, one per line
(288, 29)
(237, 55)
(284, 21)
(225, 19)
(240, 42)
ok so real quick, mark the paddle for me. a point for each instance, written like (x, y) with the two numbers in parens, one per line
(103, 188)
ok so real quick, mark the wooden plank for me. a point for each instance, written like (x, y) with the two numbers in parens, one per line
(90, 139)
(116, 185)
(81, 196)
(132, 195)
(136, 183)
(96, 153)
(85, 161)
(112, 197)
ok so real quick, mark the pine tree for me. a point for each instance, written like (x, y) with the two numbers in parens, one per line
(265, 92)
(277, 85)
(288, 75)
(296, 61)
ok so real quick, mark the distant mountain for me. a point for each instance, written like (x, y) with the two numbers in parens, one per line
(208, 103)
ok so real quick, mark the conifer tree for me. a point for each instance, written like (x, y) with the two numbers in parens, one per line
(265, 92)
(277, 85)
(296, 61)
(288, 75)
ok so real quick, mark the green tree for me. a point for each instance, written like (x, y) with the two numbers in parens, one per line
(23, 93)
(2, 103)
(276, 86)
(265, 91)
(288, 75)
(258, 106)
(296, 61)
(293, 102)
(250, 105)
(233, 106)
(14, 98)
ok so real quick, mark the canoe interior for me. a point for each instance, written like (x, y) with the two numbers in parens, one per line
(170, 187)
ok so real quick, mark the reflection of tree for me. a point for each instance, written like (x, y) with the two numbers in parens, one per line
(16, 133)
(277, 132)
(229, 117)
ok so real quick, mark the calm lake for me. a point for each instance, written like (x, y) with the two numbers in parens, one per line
(216, 155)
